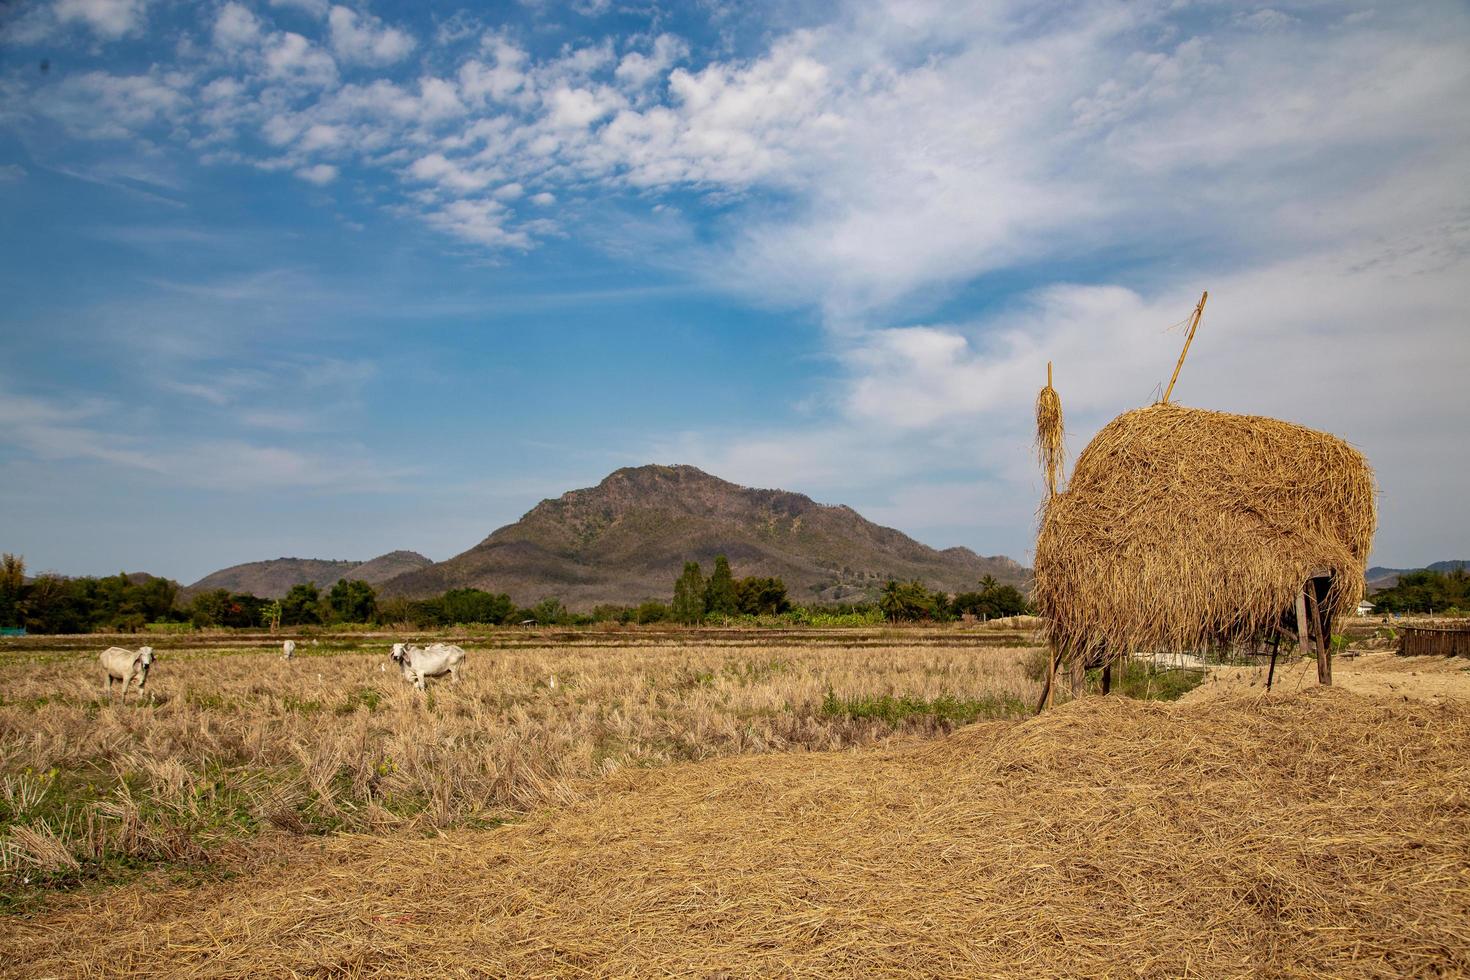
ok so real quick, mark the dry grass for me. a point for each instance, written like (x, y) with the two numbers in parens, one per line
(1318, 834)
(230, 746)
(1182, 529)
(1050, 434)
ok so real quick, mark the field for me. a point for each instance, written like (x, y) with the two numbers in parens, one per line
(864, 803)
(230, 745)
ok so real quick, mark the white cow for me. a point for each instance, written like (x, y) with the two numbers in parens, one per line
(288, 649)
(420, 663)
(125, 665)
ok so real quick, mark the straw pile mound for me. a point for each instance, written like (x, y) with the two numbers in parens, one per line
(1182, 528)
(1323, 834)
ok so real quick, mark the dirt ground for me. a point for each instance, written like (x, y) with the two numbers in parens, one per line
(1377, 674)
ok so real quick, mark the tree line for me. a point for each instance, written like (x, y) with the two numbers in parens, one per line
(118, 603)
(1426, 591)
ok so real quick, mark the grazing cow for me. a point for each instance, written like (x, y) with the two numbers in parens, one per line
(288, 649)
(125, 665)
(420, 663)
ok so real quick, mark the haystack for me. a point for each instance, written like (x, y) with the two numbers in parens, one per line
(1184, 529)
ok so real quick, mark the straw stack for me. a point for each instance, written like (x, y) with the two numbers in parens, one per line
(1183, 528)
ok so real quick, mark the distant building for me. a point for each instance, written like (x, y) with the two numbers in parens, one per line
(1365, 607)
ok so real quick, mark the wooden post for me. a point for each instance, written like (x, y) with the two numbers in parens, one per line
(1324, 644)
(1193, 325)
(1303, 634)
(1051, 681)
(1107, 677)
(1275, 646)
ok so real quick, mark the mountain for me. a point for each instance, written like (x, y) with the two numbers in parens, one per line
(1386, 578)
(273, 579)
(626, 540)
(389, 566)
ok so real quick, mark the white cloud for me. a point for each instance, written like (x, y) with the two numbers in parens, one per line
(98, 105)
(501, 78)
(107, 19)
(320, 174)
(482, 222)
(50, 431)
(12, 171)
(436, 169)
(577, 108)
(637, 69)
(364, 39)
(290, 56)
(236, 27)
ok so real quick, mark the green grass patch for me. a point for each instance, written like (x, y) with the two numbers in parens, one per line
(1148, 682)
(946, 708)
(362, 697)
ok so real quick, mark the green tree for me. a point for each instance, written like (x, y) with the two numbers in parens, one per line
(758, 596)
(720, 597)
(220, 607)
(991, 601)
(550, 612)
(352, 601)
(12, 588)
(688, 606)
(907, 601)
(651, 612)
(301, 606)
(475, 606)
(1426, 591)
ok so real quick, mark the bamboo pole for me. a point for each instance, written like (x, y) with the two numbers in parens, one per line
(1193, 325)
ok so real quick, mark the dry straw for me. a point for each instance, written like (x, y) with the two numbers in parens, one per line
(1108, 837)
(1049, 433)
(1183, 529)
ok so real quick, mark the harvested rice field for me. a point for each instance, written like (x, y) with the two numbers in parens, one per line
(230, 745)
(1305, 832)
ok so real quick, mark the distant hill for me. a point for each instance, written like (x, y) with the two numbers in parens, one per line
(626, 540)
(273, 579)
(1386, 578)
(389, 566)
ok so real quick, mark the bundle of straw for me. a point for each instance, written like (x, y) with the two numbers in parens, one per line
(1049, 433)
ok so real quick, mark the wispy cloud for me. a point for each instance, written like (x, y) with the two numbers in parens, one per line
(48, 430)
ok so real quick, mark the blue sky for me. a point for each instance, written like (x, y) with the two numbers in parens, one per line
(292, 277)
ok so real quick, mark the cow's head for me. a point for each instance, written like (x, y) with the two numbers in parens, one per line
(145, 654)
(398, 653)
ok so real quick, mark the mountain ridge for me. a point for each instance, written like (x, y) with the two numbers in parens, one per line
(1381, 577)
(626, 539)
(273, 578)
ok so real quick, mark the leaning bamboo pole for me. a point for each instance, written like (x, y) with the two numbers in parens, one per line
(1193, 326)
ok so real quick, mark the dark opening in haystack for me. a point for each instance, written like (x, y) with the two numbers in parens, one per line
(1184, 529)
